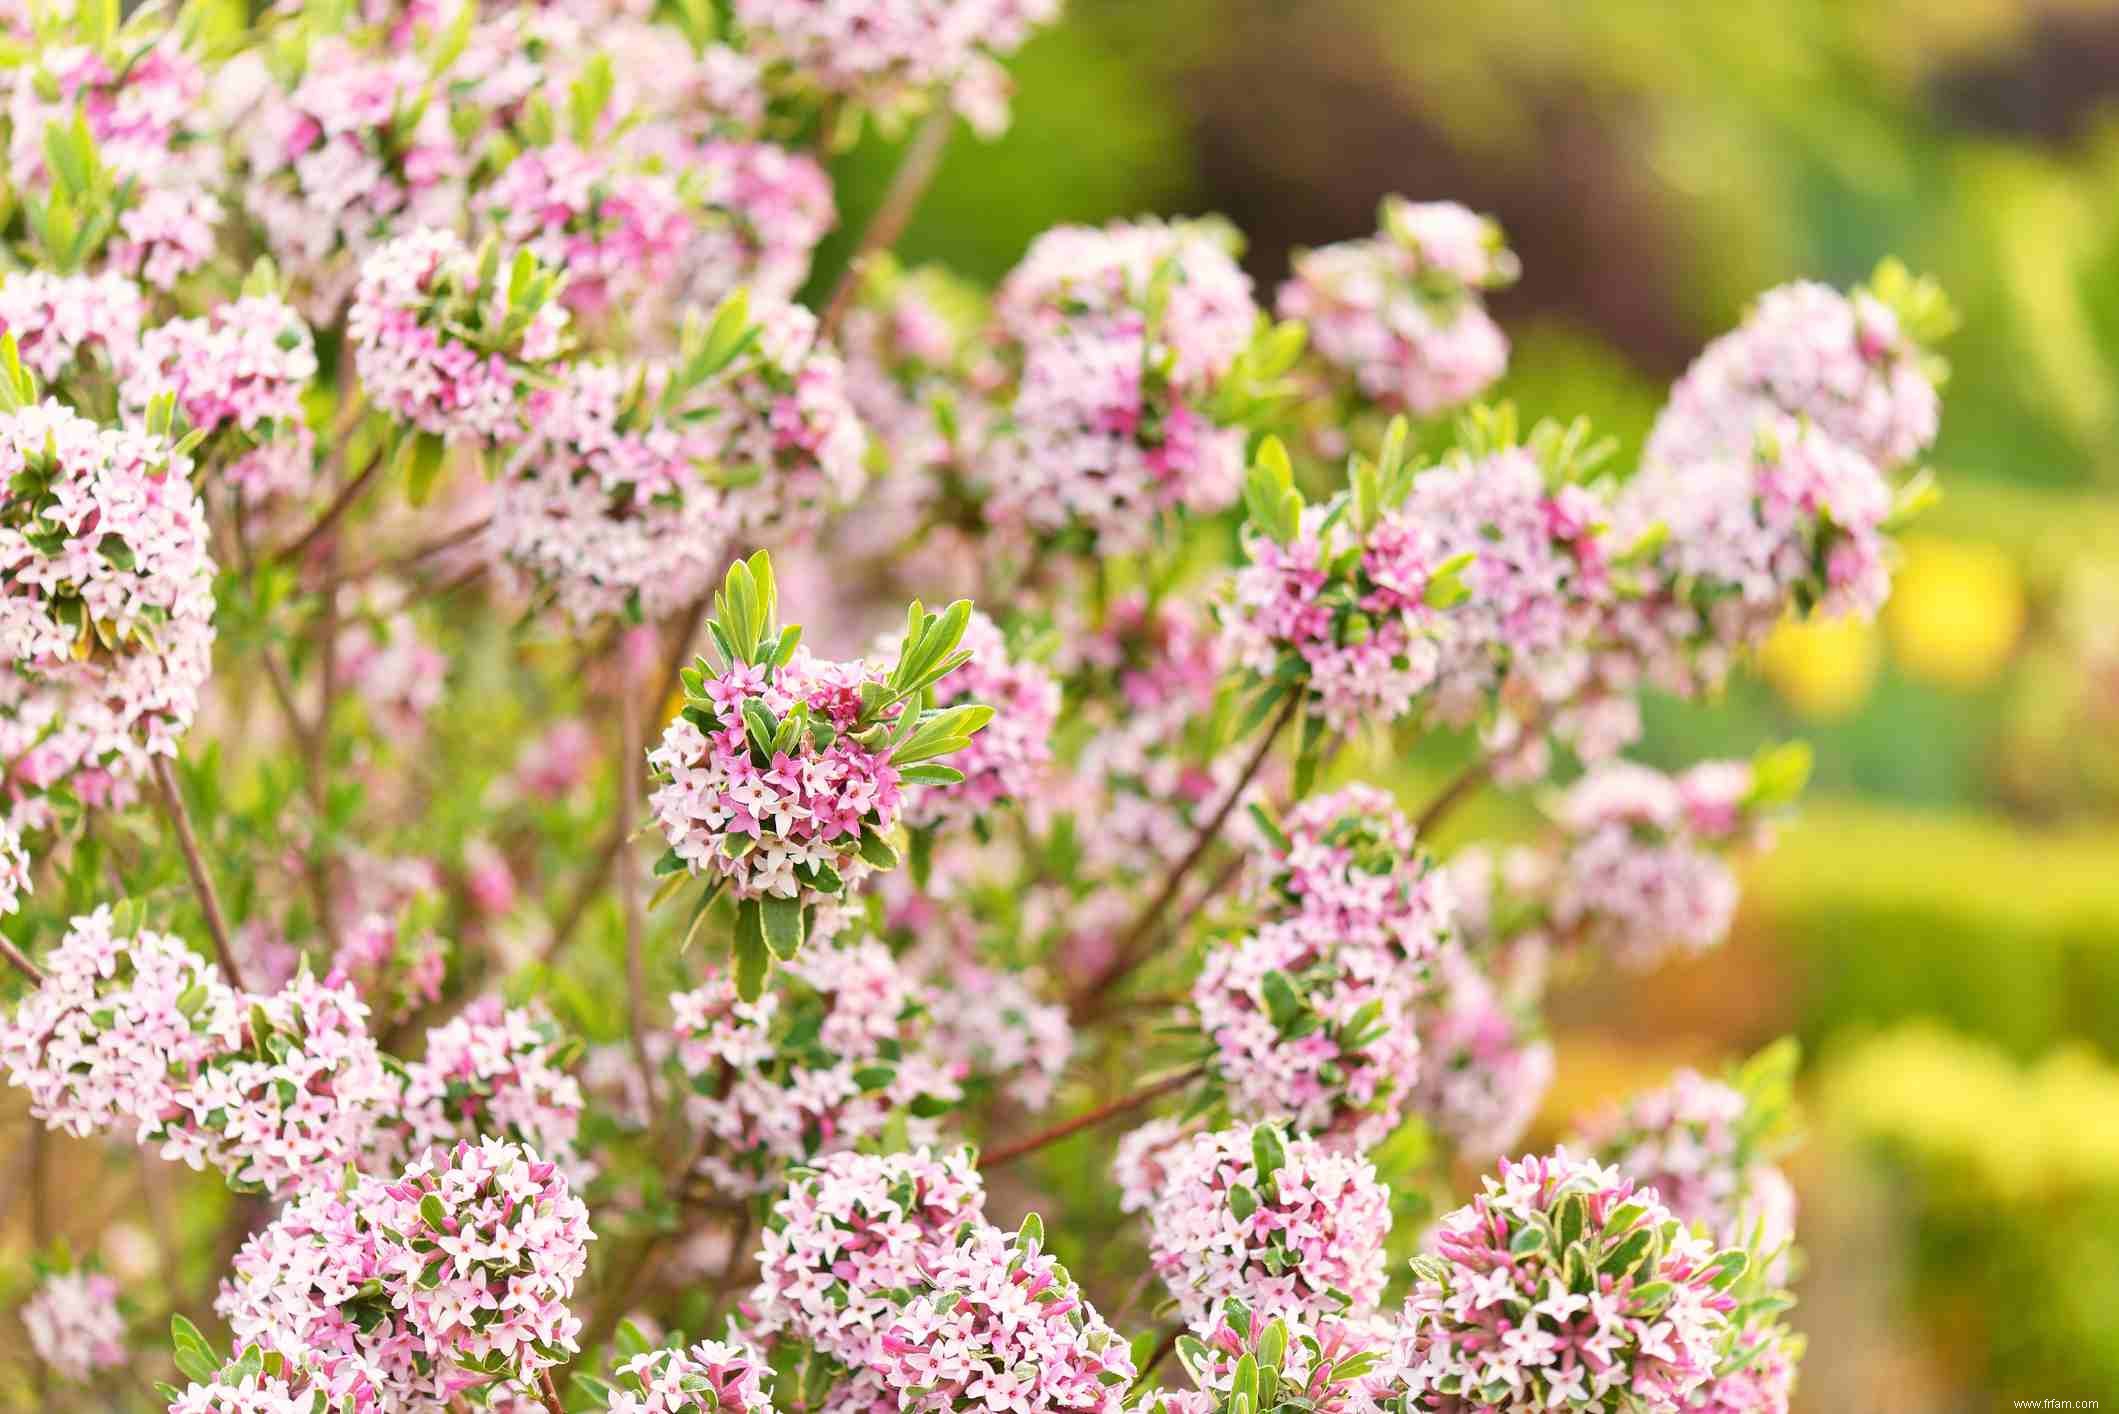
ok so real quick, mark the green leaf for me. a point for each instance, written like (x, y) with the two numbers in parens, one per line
(781, 919)
(433, 1213)
(1283, 1002)
(425, 455)
(752, 959)
(877, 851)
(1268, 1153)
(931, 775)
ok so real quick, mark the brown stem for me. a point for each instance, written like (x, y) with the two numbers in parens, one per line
(550, 1393)
(340, 504)
(398, 563)
(195, 865)
(21, 963)
(923, 157)
(1009, 1153)
(1150, 921)
(1459, 790)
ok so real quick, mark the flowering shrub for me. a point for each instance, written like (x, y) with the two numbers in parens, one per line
(557, 949)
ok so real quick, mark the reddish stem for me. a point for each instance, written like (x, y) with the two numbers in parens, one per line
(1011, 1152)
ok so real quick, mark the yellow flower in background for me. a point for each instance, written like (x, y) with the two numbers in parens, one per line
(1956, 610)
(1823, 668)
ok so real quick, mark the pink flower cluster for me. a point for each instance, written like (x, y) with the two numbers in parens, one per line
(710, 1377)
(467, 1260)
(359, 146)
(241, 368)
(109, 586)
(996, 1324)
(780, 823)
(1639, 877)
(1010, 754)
(487, 1276)
(1400, 313)
(272, 1383)
(1762, 1384)
(616, 230)
(1292, 1227)
(1346, 866)
(763, 211)
(849, 1234)
(891, 54)
(1332, 1365)
(141, 109)
(1484, 1070)
(623, 502)
(494, 1071)
(1690, 1142)
(1311, 1034)
(1124, 335)
(1538, 578)
(1840, 362)
(445, 344)
(1562, 1284)
(821, 1062)
(290, 1100)
(74, 1324)
(115, 1027)
(1348, 611)
(59, 321)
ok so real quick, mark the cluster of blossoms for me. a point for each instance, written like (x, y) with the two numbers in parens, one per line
(618, 232)
(109, 586)
(1343, 600)
(241, 369)
(1698, 1144)
(113, 1028)
(848, 1233)
(1399, 313)
(633, 483)
(1334, 1365)
(494, 1071)
(762, 211)
(453, 1275)
(448, 342)
(137, 100)
(1768, 474)
(1564, 1285)
(355, 148)
(1309, 1017)
(710, 1377)
(821, 1063)
(782, 779)
(75, 1325)
(1005, 760)
(896, 54)
(1124, 336)
(1288, 1225)
(795, 819)
(995, 1323)
(289, 1100)
(265, 1381)
(68, 325)
(1639, 876)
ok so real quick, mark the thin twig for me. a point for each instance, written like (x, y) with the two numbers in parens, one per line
(340, 504)
(1454, 794)
(1151, 918)
(1162, 1352)
(195, 865)
(551, 1393)
(923, 158)
(1009, 1153)
(399, 563)
(20, 962)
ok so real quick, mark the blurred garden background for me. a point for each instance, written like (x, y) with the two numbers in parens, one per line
(1941, 927)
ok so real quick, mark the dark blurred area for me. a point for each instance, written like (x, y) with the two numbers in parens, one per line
(1941, 927)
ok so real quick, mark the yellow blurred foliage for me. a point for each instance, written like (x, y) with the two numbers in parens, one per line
(1956, 610)
(1823, 668)
(2022, 1132)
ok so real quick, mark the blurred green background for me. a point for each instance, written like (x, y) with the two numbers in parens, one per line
(1942, 926)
